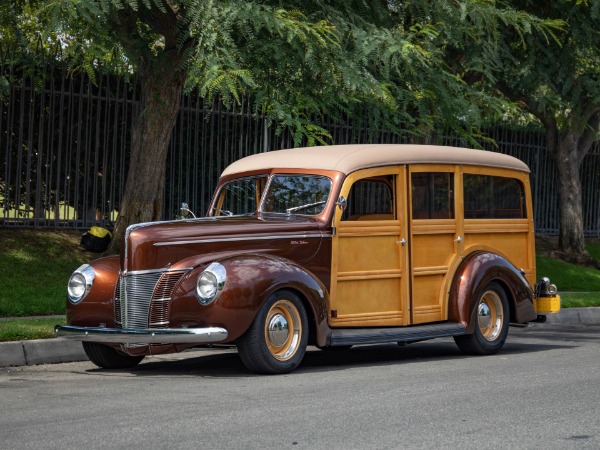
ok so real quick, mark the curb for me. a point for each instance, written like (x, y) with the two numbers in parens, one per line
(574, 316)
(52, 351)
(40, 351)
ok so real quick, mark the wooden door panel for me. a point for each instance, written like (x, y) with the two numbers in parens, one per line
(369, 266)
(434, 247)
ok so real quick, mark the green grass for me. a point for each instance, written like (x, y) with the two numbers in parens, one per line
(568, 277)
(579, 299)
(35, 266)
(24, 329)
(593, 249)
(578, 286)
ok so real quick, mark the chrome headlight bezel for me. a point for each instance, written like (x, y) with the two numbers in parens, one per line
(210, 283)
(80, 283)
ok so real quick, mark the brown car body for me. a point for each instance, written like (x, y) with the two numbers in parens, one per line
(264, 254)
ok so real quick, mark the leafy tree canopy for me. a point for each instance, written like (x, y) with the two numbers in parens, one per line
(414, 65)
(558, 81)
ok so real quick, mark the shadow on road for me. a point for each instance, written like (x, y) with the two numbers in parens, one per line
(225, 363)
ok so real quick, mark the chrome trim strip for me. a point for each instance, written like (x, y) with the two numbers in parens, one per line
(142, 272)
(235, 239)
(145, 336)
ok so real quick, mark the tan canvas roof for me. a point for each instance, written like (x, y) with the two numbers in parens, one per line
(348, 158)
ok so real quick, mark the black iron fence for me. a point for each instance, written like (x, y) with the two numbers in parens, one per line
(64, 151)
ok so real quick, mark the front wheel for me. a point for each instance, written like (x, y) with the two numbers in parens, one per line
(276, 340)
(108, 358)
(491, 323)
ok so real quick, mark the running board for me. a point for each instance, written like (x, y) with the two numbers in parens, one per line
(356, 336)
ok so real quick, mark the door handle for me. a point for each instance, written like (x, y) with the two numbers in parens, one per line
(401, 241)
(458, 239)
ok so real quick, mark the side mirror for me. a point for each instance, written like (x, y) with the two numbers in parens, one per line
(342, 203)
(185, 210)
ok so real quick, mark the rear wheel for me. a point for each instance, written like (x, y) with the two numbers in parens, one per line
(491, 323)
(276, 340)
(108, 358)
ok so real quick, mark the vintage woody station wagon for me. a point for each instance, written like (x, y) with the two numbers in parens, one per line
(328, 246)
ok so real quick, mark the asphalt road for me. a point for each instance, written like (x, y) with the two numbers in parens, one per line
(542, 391)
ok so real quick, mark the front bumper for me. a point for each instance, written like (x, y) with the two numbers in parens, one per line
(144, 336)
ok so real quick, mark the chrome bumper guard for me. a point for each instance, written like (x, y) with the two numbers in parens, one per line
(144, 336)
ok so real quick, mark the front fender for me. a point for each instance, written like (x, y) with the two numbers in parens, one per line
(475, 272)
(97, 307)
(251, 278)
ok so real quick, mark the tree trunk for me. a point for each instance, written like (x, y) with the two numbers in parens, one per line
(568, 161)
(160, 100)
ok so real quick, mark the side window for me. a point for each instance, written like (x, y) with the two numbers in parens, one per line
(371, 199)
(488, 197)
(432, 195)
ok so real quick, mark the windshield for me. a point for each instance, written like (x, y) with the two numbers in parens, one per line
(239, 196)
(297, 194)
(287, 194)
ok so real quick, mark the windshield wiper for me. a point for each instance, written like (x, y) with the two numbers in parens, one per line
(308, 205)
(223, 211)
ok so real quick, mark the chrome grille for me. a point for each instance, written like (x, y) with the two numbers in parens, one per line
(143, 300)
(160, 306)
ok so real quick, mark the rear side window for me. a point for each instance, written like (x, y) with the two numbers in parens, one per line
(432, 195)
(489, 197)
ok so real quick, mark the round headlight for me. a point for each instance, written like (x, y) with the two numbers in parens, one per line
(210, 283)
(80, 283)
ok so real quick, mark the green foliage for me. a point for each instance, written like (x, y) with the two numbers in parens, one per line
(417, 65)
(558, 79)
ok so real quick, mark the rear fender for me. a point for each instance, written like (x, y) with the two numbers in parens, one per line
(475, 272)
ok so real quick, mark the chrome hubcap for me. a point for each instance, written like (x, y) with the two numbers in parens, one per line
(278, 330)
(283, 330)
(490, 316)
(484, 315)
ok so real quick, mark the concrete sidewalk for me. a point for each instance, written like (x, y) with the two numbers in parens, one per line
(51, 351)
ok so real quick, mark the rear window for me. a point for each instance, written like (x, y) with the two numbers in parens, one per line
(489, 197)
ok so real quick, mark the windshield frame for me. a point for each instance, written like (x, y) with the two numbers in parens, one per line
(332, 177)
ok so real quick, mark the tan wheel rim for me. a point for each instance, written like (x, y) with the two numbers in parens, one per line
(490, 316)
(283, 330)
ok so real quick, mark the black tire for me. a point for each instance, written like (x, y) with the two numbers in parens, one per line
(491, 318)
(108, 358)
(276, 341)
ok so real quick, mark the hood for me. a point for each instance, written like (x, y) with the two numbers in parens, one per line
(160, 245)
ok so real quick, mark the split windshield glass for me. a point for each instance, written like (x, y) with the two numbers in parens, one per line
(286, 194)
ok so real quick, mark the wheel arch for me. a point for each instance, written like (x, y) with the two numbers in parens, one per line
(474, 273)
(272, 274)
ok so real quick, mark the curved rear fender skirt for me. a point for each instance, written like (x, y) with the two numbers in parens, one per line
(250, 280)
(97, 307)
(476, 271)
